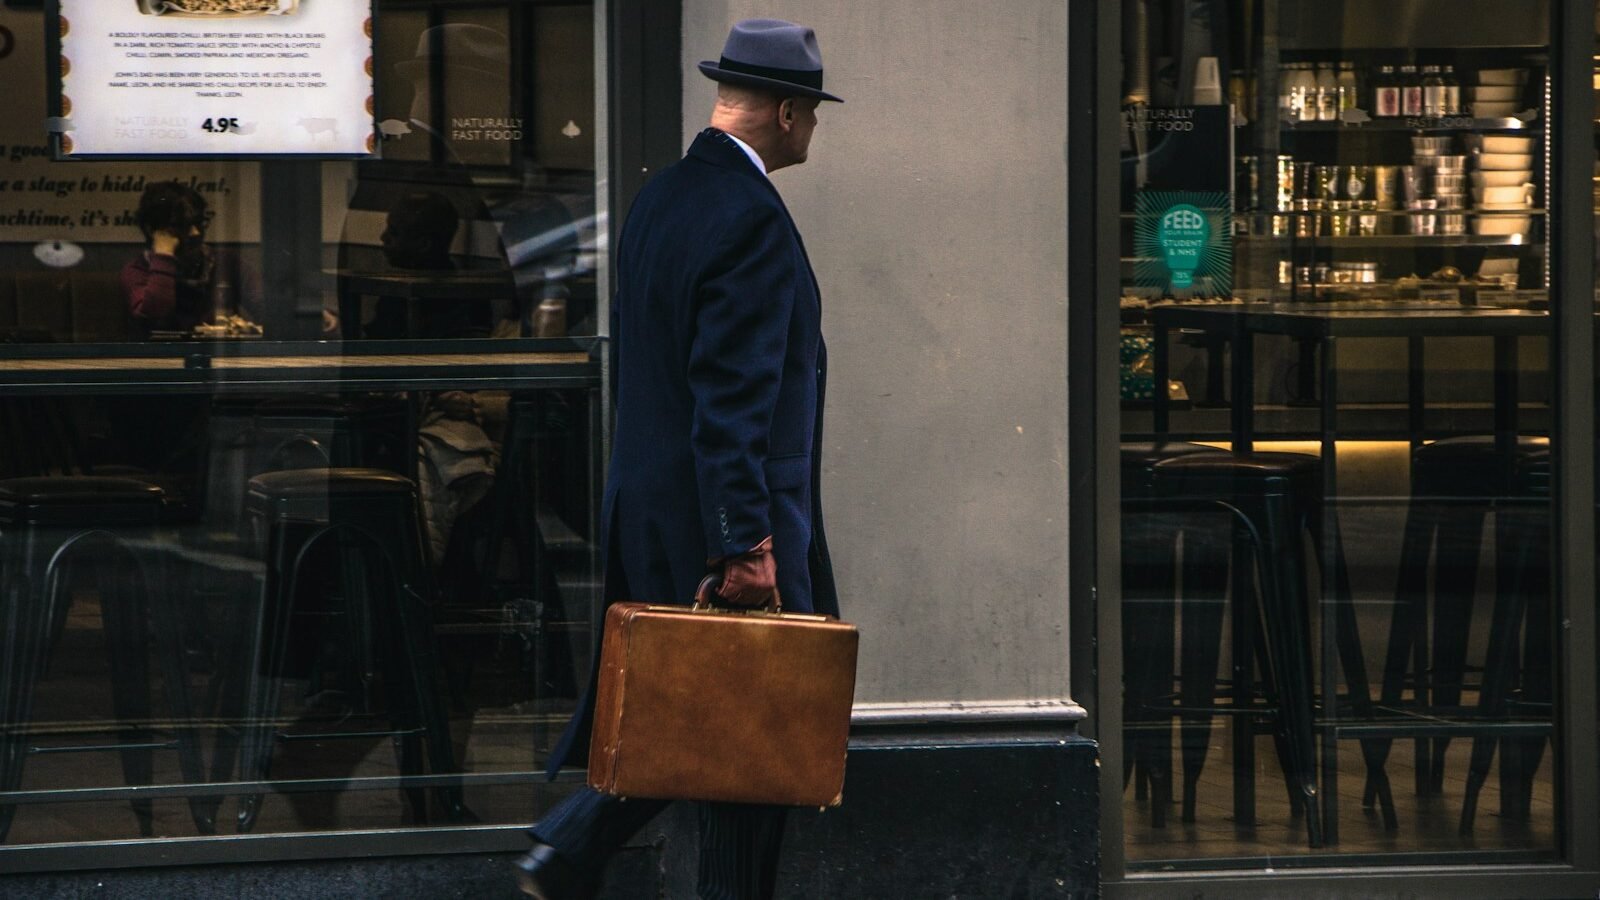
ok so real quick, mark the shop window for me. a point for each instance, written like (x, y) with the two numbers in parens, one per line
(1336, 415)
(317, 439)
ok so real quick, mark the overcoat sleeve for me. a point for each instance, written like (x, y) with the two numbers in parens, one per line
(743, 304)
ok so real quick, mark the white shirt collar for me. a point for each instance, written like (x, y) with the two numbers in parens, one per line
(755, 158)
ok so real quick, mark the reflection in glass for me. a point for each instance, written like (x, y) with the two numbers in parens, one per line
(248, 551)
(1335, 469)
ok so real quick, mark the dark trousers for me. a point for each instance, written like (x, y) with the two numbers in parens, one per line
(738, 843)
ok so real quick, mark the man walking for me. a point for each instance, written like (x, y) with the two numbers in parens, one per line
(720, 370)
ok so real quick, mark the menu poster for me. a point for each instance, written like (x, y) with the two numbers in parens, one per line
(212, 78)
(43, 201)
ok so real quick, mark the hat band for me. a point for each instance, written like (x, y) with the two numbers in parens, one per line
(801, 77)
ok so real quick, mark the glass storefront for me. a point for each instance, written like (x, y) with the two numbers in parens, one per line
(1342, 383)
(298, 458)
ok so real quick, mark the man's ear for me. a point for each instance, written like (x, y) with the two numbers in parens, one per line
(786, 114)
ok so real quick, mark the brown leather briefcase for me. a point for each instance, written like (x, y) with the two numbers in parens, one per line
(697, 703)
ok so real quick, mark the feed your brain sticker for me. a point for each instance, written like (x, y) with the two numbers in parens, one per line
(174, 78)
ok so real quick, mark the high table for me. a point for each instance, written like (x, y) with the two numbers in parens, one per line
(1322, 325)
(414, 289)
(256, 366)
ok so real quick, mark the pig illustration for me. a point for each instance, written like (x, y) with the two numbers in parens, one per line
(321, 126)
(393, 128)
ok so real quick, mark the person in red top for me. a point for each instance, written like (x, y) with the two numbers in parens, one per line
(180, 281)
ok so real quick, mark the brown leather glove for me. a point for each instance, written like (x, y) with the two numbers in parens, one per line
(751, 578)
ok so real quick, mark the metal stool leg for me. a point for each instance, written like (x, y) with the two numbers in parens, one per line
(1289, 639)
(1498, 672)
(123, 613)
(415, 620)
(14, 642)
(1353, 662)
(1537, 674)
(1456, 575)
(1205, 584)
(265, 674)
(36, 588)
(1406, 636)
(1149, 587)
(169, 646)
(1246, 639)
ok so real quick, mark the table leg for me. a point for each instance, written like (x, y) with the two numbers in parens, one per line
(1305, 388)
(349, 313)
(1216, 368)
(1242, 394)
(1330, 588)
(1505, 405)
(1245, 636)
(1416, 399)
(1162, 400)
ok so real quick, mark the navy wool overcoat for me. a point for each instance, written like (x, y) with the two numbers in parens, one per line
(720, 371)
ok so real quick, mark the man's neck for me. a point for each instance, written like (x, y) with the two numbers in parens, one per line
(755, 157)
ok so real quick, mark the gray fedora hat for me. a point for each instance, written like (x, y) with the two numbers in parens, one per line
(779, 56)
(457, 44)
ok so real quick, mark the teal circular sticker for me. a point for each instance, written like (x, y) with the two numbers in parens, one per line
(1184, 234)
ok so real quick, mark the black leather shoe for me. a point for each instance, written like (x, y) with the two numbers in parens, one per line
(547, 875)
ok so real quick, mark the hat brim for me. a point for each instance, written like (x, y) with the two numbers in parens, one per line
(416, 66)
(715, 72)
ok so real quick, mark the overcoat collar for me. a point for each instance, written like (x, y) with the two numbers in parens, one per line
(715, 147)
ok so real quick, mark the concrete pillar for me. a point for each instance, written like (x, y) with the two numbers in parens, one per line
(934, 210)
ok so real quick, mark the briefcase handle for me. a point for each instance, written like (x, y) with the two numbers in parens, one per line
(708, 590)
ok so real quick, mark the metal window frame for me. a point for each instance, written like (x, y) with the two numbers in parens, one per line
(1093, 103)
(638, 52)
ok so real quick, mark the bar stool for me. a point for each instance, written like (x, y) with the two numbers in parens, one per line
(1274, 498)
(50, 526)
(251, 436)
(1455, 484)
(1150, 543)
(387, 589)
(1522, 604)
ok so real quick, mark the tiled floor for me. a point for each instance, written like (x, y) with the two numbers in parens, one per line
(1427, 824)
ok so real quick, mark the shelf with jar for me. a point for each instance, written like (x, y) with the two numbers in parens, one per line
(1420, 124)
(1404, 96)
(1398, 241)
(1478, 186)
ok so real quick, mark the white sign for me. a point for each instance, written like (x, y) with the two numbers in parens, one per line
(215, 77)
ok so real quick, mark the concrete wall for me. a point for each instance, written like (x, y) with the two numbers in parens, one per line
(934, 210)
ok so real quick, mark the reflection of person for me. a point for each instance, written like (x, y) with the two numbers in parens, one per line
(468, 60)
(720, 368)
(416, 238)
(180, 281)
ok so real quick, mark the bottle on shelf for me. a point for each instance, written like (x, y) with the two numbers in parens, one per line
(1286, 111)
(1241, 97)
(1410, 92)
(1386, 94)
(1452, 92)
(1299, 93)
(1433, 92)
(1348, 96)
(1327, 94)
